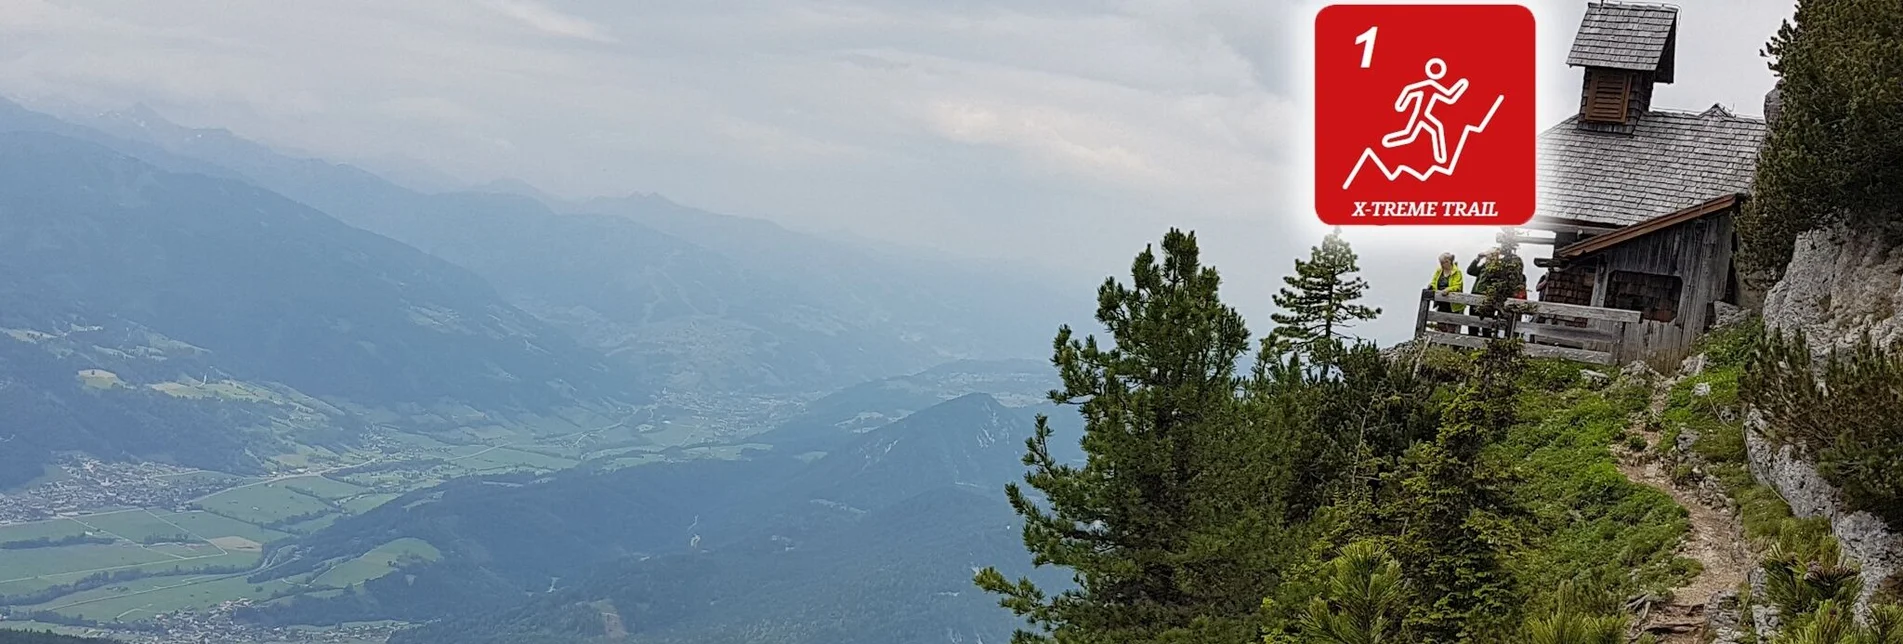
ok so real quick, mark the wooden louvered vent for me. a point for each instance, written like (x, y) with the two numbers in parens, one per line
(1606, 97)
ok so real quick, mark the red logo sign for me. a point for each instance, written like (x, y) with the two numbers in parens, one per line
(1424, 114)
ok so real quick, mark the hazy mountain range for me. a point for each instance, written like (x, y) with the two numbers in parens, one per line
(700, 300)
(189, 297)
(332, 283)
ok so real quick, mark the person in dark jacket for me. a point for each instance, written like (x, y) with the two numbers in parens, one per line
(1478, 269)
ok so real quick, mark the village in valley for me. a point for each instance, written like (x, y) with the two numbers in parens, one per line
(155, 553)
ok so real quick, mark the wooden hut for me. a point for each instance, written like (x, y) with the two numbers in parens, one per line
(1640, 201)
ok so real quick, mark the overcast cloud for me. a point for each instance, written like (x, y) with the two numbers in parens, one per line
(1058, 134)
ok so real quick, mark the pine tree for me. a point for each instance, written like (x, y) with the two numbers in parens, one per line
(1831, 155)
(1452, 506)
(1577, 617)
(1173, 526)
(1364, 600)
(1318, 306)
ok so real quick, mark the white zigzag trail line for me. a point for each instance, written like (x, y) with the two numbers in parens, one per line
(1448, 169)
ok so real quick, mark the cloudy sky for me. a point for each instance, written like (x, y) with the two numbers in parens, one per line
(1057, 134)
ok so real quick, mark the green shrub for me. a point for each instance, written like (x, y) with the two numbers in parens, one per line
(1668, 439)
(1635, 442)
(1844, 422)
(1764, 515)
(1683, 473)
(1552, 374)
(1731, 346)
(1799, 582)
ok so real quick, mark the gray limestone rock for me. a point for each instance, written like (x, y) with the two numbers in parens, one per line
(1764, 617)
(1725, 315)
(1836, 286)
(1692, 366)
(1724, 618)
(1864, 538)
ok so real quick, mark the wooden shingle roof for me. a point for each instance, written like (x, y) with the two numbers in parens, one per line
(1668, 161)
(1635, 37)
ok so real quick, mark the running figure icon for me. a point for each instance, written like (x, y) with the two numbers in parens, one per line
(1418, 100)
(1421, 120)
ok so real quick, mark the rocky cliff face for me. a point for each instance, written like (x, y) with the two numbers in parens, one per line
(1863, 537)
(1837, 285)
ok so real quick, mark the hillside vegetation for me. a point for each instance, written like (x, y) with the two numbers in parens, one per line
(1336, 494)
(1831, 157)
(1333, 493)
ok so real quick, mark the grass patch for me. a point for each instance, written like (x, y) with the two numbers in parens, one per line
(37, 562)
(1590, 524)
(377, 562)
(48, 529)
(138, 526)
(262, 504)
(212, 526)
(99, 379)
(322, 487)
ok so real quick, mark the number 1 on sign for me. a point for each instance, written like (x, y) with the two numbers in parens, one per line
(1366, 40)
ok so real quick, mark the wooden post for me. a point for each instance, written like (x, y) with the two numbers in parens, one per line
(1420, 317)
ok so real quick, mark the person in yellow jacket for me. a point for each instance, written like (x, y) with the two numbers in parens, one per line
(1447, 279)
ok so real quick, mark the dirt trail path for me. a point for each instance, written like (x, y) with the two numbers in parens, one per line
(1716, 540)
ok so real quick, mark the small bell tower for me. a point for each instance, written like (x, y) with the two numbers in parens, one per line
(1625, 50)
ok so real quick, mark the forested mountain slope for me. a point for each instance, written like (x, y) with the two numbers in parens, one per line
(889, 525)
(127, 286)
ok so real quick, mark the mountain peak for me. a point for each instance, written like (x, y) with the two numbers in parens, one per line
(970, 441)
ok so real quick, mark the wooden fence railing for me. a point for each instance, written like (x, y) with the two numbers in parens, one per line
(1583, 333)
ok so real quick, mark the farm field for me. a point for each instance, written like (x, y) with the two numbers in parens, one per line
(138, 526)
(35, 562)
(49, 529)
(182, 595)
(322, 487)
(262, 504)
(211, 526)
(503, 458)
(368, 502)
(79, 565)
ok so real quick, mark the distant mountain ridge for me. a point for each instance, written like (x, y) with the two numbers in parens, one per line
(832, 419)
(703, 302)
(970, 441)
(138, 283)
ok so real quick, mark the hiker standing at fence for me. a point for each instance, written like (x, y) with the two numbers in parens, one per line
(1446, 279)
